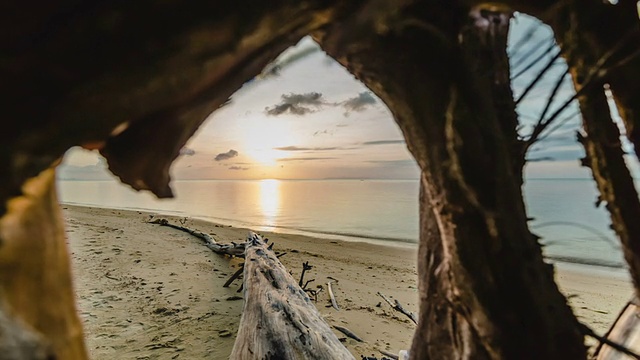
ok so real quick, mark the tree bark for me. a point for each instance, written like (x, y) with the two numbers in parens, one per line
(589, 37)
(35, 276)
(485, 289)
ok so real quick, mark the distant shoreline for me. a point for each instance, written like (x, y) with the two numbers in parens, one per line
(350, 237)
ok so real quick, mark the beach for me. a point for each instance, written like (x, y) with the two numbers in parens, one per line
(150, 292)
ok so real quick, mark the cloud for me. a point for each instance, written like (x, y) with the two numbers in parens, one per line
(226, 156)
(298, 148)
(358, 103)
(238, 168)
(185, 151)
(306, 159)
(302, 104)
(383, 142)
(297, 104)
(323, 132)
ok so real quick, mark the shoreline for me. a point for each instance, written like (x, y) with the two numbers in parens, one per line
(146, 291)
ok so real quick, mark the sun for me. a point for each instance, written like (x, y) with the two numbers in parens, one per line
(261, 137)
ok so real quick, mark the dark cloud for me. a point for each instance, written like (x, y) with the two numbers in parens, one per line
(226, 156)
(383, 142)
(302, 104)
(185, 151)
(298, 148)
(359, 103)
(297, 104)
(238, 168)
(307, 159)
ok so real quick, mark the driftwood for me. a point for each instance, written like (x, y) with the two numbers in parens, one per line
(348, 333)
(226, 249)
(279, 321)
(234, 276)
(398, 307)
(334, 303)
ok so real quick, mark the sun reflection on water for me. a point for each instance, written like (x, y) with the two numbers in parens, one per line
(270, 201)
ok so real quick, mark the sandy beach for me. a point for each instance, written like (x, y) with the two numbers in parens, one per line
(151, 292)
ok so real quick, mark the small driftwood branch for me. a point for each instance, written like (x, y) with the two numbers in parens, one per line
(305, 267)
(334, 303)
(398, 307)
(389, 355)
(232, 249)
(279, 321)
(348, 333)
(234, 276)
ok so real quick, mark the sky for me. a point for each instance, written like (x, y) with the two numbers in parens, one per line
(306, 117)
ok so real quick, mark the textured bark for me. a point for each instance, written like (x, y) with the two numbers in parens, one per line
(35, 274)
(605, 156)
(485, 290)
(279, 321)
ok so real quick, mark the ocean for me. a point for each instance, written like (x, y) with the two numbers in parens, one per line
(573, 230)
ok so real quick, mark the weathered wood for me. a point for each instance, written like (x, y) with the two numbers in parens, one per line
(348, 333)
(36, 292)
(234, 276)
(279, 321)
(334, 303)
(601, 138)
(232, 249)
(395, 305)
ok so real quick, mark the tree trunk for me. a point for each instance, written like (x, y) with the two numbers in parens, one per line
(485, 289)
(592, 37)
(35, 275)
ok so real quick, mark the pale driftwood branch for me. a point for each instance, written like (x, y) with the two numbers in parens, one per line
(398, 307)
(389, 355)
(279, 321)
(226, 249)
(334, 303)
(348, 333)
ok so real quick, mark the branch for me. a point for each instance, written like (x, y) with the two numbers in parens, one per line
(538, 77)
(398, 307)
(532, 51)
(524, 39)
(587, 331)
(596, 73)
(232, 249)
(534, 62)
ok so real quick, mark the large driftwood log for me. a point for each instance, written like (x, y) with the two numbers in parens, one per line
(279, 321)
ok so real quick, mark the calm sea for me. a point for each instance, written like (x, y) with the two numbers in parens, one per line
(573, 229)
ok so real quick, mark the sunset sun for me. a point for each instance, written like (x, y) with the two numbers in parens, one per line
(262, 137)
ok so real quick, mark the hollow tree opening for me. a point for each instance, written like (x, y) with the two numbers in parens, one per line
(180, 66)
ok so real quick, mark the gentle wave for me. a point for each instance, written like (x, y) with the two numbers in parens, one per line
(585, 261)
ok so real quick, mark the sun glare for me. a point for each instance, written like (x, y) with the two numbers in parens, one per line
(261, 137)
(270, 201)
